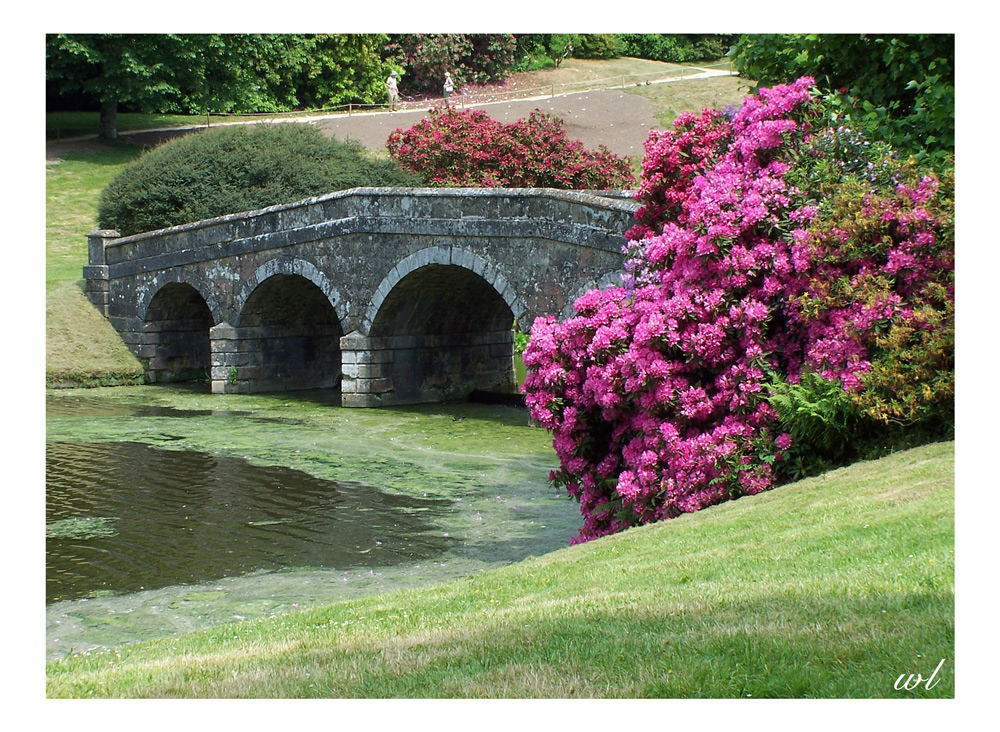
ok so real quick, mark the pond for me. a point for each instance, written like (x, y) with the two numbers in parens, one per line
(170, 509)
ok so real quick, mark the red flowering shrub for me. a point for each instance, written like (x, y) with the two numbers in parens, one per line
(468, 148)
(768, 248)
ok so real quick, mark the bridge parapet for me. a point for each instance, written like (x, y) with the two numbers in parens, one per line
(569, 215)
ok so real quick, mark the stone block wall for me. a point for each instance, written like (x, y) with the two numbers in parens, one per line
(417, 369)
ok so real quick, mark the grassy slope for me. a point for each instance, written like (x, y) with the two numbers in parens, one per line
(831, 587)
(79, 344)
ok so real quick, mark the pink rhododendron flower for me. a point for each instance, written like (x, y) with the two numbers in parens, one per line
(656, 391)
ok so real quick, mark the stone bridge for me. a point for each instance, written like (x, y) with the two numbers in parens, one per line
(397, 295)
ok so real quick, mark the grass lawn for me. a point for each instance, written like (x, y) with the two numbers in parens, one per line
(831, 587)
(72, 190)
(602, 73)
(669, 100)
(65, 125)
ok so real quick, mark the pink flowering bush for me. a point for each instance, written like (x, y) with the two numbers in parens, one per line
(768, 246)
(452, 148)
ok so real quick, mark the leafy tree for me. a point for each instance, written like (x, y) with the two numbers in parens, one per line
(597, 45)
(334, 69)
(166, 72)
(677, 48)
(899, 87)
(198, 73)
(231, 169)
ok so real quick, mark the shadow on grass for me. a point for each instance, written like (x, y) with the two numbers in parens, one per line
(851, 648)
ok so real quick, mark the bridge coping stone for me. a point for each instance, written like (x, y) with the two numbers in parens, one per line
(317, 210)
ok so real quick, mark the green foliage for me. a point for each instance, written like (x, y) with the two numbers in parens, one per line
(331, 69)
(677, 48)
(475, 58)
(544, 50)
(231, 169)
(597, 45)
(216, 73)
(172, 72)
(531, 52)
(901, 88)
(817, 413)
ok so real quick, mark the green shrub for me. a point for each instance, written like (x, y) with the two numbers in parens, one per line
(597, 45)
(821, 418)
(676, 48)
(232, 169)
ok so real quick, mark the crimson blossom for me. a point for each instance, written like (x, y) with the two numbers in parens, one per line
(454, 148)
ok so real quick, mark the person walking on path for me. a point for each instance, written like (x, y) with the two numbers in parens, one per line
(393, 90)
(449, 87)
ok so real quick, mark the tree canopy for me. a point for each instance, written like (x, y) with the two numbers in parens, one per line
(901, 88)
(198, 73)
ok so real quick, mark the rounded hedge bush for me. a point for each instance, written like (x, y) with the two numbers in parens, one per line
(231, 169)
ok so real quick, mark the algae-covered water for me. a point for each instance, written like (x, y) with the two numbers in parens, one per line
(170, 509)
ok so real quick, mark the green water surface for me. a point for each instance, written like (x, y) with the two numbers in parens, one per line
(465, 484)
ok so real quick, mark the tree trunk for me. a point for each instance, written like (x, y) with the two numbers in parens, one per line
(109, 121)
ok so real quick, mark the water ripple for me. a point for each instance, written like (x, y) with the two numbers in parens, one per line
(182, 517)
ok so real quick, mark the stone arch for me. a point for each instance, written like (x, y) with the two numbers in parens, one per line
(292, 266)
(175, 332)
(286, 330)
(483, 266)
(175, 276)
(440, 327)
